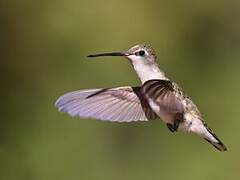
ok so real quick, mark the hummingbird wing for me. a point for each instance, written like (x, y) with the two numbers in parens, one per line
(164, 99)
(122, 104)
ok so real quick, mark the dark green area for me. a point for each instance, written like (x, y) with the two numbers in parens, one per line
(43, 49)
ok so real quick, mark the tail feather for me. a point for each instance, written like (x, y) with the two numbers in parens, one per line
(214, 140)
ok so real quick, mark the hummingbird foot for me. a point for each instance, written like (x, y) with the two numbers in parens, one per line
(171, 127)
(174, 127)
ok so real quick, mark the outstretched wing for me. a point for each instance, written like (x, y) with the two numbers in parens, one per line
(122, 104)
(163, 99)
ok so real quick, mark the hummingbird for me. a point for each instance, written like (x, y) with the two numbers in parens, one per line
(157, 98)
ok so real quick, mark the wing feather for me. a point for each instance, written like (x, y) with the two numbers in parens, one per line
(123, 104)
(167, 103)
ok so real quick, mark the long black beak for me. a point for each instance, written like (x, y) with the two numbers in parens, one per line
(109, 54)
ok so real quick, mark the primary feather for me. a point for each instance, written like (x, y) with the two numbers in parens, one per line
(121, 104)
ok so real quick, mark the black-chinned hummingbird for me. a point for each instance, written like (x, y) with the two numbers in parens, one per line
(157, 97)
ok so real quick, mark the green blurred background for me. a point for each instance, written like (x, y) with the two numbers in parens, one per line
(43, 47)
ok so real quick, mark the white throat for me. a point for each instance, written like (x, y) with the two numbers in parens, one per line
(147, 72)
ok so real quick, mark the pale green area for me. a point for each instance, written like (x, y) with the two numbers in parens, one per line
(43, 47)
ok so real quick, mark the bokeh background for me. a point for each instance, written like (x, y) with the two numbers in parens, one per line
(43, 47)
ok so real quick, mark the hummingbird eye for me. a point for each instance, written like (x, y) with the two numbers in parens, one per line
(140, 53)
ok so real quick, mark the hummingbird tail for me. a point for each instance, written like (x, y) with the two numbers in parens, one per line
(214, 140)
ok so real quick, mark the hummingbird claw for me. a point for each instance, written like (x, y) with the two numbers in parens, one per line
(171, 127)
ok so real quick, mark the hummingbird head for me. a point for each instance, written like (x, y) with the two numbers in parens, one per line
(143, 58)
(142, 53)
(136, 54)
